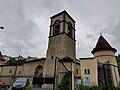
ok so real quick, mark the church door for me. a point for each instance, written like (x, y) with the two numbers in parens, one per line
(87, 80)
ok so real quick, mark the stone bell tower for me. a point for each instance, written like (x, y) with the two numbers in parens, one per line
(61, 40)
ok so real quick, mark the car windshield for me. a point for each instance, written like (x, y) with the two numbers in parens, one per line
(21, 81)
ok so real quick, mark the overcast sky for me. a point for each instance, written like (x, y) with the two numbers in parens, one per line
(27, 23)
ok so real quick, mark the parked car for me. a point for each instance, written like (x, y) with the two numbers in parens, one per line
(3, 85)
(20, 83)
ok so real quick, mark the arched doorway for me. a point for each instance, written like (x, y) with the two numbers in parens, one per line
(38, 71)
(38, 74)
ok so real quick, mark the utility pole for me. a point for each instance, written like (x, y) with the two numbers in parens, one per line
(55, 73)
(16, 67)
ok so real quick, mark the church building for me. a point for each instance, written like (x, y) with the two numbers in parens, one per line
(48, 72)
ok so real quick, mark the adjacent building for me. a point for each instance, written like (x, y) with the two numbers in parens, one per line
(101, 68)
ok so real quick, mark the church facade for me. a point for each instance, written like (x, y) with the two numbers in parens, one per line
(61, 58)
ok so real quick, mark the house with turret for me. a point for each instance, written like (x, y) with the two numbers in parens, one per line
(101, 69)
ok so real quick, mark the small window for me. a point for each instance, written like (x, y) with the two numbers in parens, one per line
(19, 72)
(77, 70)
(51, 57)
(10, 71)
(87, 71)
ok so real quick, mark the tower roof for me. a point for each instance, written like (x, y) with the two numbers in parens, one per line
(102, 44)
(63, 12)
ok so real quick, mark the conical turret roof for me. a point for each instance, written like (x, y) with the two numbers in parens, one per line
(102, 44)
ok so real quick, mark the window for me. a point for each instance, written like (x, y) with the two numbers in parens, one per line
(69, 29)
(19, 72)
(51, 57)
(87, 71)
(56, 27)
(10, 71)
(77, 70)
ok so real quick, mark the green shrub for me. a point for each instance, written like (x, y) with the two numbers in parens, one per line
(65, 82)
(28, 88)
(82, 87)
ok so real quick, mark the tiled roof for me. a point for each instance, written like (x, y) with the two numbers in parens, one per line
(102, 44)
(35, 60)
(63, 12)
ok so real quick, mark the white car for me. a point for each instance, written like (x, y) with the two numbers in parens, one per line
(20, 83)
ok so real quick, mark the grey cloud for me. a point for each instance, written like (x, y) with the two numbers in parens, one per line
(116, 33)
(17, 35)
(27, 24)
(89, 36)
